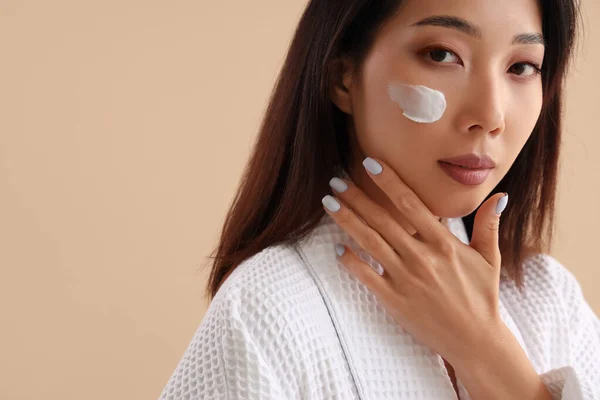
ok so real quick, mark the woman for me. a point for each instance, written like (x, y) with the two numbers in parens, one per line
(428, 295)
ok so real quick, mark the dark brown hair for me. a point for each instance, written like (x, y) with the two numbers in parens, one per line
(303, 141)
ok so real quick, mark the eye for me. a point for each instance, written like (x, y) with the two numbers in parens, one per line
(525, 69)
(442, 56)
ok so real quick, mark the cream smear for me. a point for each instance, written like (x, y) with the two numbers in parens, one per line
(419, 103)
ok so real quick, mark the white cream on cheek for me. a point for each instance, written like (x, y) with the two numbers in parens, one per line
(419, 103)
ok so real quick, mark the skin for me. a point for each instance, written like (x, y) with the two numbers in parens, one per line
(494, 100)
(434, 274)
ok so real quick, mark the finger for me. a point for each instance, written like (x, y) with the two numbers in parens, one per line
(376, 283)
(486, 229)
(367, 238)
(375, 216)
(387, 293)
(406, 201)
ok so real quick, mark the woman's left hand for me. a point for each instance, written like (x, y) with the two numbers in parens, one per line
(442, 291)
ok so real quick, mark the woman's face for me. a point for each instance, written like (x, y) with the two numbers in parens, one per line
(483, 57)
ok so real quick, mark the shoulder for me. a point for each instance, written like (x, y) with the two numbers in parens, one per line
(249, 331)
(544, 273)
(266, 279)
(269, 294)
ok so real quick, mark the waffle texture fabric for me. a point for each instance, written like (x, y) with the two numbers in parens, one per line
(293, 323)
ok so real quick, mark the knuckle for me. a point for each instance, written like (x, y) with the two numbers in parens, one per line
(447, 249)
(380, 219)
(406, 202)
(351, 195)
(373, 242)
(344, 216)
(387, 180)
(430, 274)
(493, 226)
(431, 262)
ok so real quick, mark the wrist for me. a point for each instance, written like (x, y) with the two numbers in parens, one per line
(498, 368)
(489, 346)
(484, 346)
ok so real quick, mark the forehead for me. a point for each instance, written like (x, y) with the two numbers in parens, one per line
(496, 19)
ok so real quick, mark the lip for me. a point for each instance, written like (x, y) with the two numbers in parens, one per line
(466, 176)
(472, 161)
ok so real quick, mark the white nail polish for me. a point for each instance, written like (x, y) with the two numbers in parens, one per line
(501, 206)
(338, 185)
(372, 166)
(331, 203)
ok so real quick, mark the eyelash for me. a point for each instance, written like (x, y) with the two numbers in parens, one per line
(536, 67)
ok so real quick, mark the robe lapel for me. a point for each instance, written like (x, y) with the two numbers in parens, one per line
(385, 360)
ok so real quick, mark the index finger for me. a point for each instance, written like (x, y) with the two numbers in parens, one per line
(405, 200)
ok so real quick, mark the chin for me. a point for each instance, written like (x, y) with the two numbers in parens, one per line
(454, 207)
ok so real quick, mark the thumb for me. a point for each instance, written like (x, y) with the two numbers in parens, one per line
(486, 227)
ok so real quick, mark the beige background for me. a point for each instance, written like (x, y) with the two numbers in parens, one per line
(124, 127)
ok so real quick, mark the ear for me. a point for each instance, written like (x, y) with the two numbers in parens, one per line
(340, 81)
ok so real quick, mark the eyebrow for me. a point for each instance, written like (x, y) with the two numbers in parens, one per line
(465, 26)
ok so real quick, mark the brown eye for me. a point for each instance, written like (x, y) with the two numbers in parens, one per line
(442, 56)
(524, 69)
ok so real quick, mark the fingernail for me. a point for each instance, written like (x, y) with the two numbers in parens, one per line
(340, 249)
(372, 166)
(331, 203)
(502, 204)
(338, 185)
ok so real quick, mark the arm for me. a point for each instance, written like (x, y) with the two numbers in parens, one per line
(499, 366)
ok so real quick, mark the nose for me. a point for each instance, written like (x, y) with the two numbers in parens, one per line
(483, 107)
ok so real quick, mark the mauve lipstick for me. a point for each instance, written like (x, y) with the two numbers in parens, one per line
(468, 169)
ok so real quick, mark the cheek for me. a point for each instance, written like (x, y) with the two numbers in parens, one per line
(382, 130)
(524, 116)
(377, 119)
(381, 126)
(380, 122)
(375, 115)
(520, 120)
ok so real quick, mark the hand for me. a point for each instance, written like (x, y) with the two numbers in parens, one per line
(442, 291)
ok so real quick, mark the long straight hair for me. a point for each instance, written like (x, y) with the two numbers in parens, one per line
(303, 141)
